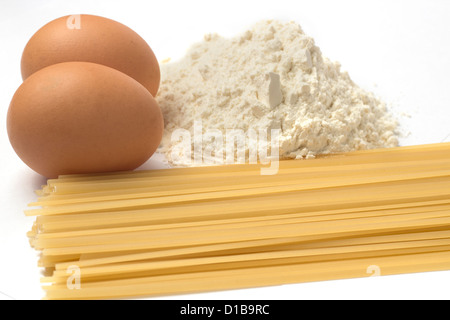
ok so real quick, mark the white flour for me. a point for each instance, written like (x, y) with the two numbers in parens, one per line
(270, 77)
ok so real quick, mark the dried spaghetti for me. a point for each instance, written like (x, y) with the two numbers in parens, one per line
(213, 228)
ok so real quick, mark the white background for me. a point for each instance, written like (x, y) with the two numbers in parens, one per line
(400, 50)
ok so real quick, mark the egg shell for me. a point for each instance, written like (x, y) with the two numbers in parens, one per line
(79, 117)
(94, 39)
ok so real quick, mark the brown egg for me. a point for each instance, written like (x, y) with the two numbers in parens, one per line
(80, 117)
(92, 39)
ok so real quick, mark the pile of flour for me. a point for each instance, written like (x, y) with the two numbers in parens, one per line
(270, 77)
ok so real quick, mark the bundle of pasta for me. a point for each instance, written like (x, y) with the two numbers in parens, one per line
(185, 230)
